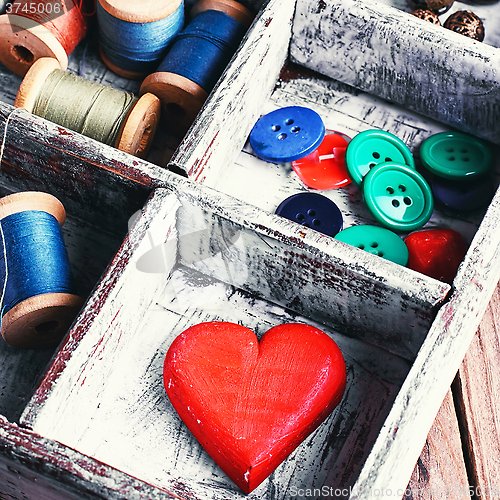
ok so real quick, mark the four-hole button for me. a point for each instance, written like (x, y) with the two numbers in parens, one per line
(372, 147)
(312, 210)
(287, 134)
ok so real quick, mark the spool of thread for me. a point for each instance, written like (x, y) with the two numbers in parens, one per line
(103, 113)
(46, 28)
(134, 35)
(196, 60)
(38, 305)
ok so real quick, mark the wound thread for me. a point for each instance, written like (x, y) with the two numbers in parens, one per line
(137, 47)
(92, 109)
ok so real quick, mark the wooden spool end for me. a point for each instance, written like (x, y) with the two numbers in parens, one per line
(39, 321)
(181, 99)
(145, 11)
(139, 128)
(130, 75)
(24, 41)
(233, 9)
(33, 82)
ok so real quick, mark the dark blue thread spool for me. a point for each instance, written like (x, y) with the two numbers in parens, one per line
(196, 59)
(38, 305)
(134, 38)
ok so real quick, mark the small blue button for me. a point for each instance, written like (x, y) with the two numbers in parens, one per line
(287, 134)
(312, 210)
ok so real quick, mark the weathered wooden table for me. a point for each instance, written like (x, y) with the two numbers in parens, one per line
(460, 457)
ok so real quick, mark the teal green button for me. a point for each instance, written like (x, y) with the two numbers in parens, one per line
(371, 147)
(455, 155)
(377, 241)
(398, 197)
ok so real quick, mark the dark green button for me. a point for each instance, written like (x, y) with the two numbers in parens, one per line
(371, 147)
(455, 155)
(398, 197)
(377, 241)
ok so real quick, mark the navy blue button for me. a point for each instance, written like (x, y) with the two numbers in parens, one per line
(287, 134)
(463, 196)
(312, 210)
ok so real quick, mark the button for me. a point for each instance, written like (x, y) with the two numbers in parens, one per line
(287, 134)
(325, 168)
(397, 196)
(455, 155)
(436, 252)
(371, 147)
(377, 241)
(466, 23)
(312, 210)
(463, 196)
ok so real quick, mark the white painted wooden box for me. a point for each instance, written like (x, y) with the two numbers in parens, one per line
(97, 423)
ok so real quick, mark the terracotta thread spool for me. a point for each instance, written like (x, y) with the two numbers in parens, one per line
(134, 35)
(130, 128)
(196, 60)
(41, 320)
(53, 30)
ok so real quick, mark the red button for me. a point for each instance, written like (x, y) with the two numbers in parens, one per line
(325, 167)
(436, 252)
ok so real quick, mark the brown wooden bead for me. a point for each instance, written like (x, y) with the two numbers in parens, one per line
(437, 6)
(426, 15)
(466, 23)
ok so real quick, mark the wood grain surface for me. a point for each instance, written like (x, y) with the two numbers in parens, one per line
(440, 472)
(478, 393)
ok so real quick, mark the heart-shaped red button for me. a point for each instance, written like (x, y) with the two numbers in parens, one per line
(251, 403)
(436, 252)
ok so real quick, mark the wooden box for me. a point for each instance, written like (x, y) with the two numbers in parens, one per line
(154, 252)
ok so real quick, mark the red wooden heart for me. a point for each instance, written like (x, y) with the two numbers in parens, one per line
(251, 404)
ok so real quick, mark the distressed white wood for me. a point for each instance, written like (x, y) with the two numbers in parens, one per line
(107, 400)
(400, 441)
(236, 267)
(389, 53)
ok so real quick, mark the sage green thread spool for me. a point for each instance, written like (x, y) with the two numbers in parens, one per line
(103, 113)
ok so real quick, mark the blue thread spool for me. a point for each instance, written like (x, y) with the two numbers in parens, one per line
(196, 60)
(134, 35)
(38, 306)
